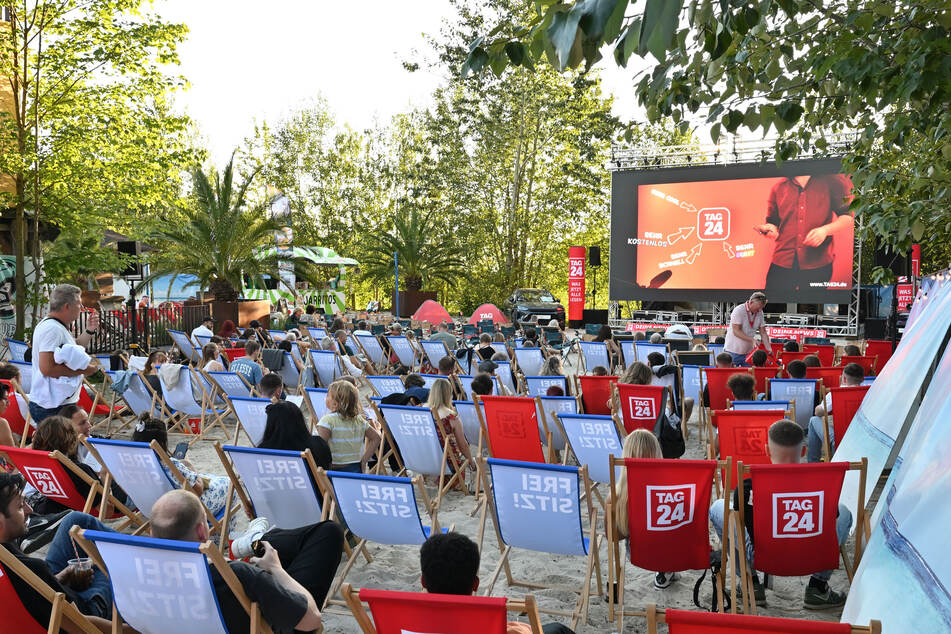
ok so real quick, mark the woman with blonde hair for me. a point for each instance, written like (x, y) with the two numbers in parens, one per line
(448, 424)
(640, 443)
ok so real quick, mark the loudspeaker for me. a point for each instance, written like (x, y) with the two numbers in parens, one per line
(875, 328)
(594, 316)
(594, 257)
(130, 247)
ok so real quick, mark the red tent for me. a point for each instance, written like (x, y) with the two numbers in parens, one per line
(433, 312)
(488, 311)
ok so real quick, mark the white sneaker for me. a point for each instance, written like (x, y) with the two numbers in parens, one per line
(242, 547)
(664, 579)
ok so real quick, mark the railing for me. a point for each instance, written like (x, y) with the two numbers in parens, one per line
(146, 327)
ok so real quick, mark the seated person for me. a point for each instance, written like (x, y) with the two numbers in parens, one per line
(797, 370)
(552, 366)
(791, 346)
(606, 335)
(249, 366)
(721, 340)
(10, 372)
(723, 360)
(851, 350)
(852, 376)
(152, 363)
(599, 370)
(759, 358)
(485, 349)
(271, 387)
(286, 430)
(288, 583)
(449, 564)
(327, 343)
(345, 429)
(482, 384)
(92, 596)
(442, 334)
(57, 434)
(812, 361)
(447, 365)
(347, 352)
(659, 366)
(530, 340)
(79, 419)
(656, 338)
(554, 390)
(784, 446)
(448, 424)
(6, 435)
(209, 358)
(743, 386)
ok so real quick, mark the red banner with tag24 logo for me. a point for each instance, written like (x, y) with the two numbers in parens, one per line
(794, 514)
(576, 275)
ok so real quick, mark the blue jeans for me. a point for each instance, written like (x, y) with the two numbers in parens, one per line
(739, 360)
(39, 414)
(842, 525)
(96, 600)
(353, 467)
(815, 440)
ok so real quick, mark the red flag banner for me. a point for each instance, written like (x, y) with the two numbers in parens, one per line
(576, 275)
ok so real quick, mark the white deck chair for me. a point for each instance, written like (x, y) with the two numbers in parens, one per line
(289, 372)
(316, 334)
(593, 354)
(527, 496)
(499, 346)
(137, 397)
(316, 400)
(327, 366)
(142, 569)
(642, 349)
(379, 509)
(593, 440)
(277, 335)
(434, 351)
(465, 381)
(295, 350)
(429, 379)
(26, 375)
(504, 372)
(372, 349)
(182, 398)
(17, 349)
(403, 350)
(628, 355)
(184, 343)
(538, 385)
(231, 384)
(470, 420)
(761, 405)
(800, 391)
(383, 386)
(529, 360)
(137, 363)
(279, 485)
(551, 406)
(252, 417)
(715, 348)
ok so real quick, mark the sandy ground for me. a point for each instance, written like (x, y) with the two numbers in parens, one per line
(397, 567)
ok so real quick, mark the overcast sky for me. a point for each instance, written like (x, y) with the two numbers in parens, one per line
(252, 60)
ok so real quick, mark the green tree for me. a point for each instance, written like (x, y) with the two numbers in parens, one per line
(804, 68)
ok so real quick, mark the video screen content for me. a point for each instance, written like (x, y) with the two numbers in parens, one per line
(791, 236)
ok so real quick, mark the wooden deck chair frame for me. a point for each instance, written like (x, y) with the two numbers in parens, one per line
(617, 564)
(210, 416)
(656, 615)
(61, 610)
(216, 393)
(569, 448)
(97, 399)
(361, 547)
(28, 426)
(584, 360)
(384, 361)
(526, 606)
(705, 411)
(215, 559)
(122, 411)
(746, 575)
(166, 413)
(195, 354)
(580, 613)
(443, 486)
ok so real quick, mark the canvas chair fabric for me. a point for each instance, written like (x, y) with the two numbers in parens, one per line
(137, 396)
(465, 382)
(595, 393)
(751, 406)
(327, 366)
(717, 348)
(714, 379)
(692, 383)
(469, 419)
(230, 383)
(403, 350)
(551, 406)
(538, 385)
(743, 436)
(434, 351)
(414, 430)
(880, 349)
(17, 349)
(641, 406)
(529, 360)
(202, 340)
(15, 616)
(18, 413)
(383, 386)
(372, 348)
(628, 353)
(593, 440)
(642, 349)
(786, 357)
(316, 334)
(26, 375)
(800, 391)
(689, 622)
(137, 363)
(593, 354)
(277, 335)
(289, 372)
(429, 379)
(181, 396)
(184, 343)
(511, 423)
(407, 612)
(830, 376)
(316, 398)
(869, 364)
(825, 352)
(499, 346)
(252, 416)
(845, 403)
(762, 375)
(135, 467)
(504, 375)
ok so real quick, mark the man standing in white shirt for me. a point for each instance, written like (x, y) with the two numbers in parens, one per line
(204, 330)
(745, 321)
(49, 335)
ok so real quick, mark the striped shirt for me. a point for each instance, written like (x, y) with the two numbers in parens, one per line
(346, 437)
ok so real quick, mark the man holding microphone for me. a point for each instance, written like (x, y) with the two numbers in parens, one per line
(55, 384)
(746, 321)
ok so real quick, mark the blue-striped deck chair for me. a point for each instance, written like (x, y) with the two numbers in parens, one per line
(499, 346)
(434, 351)
(715, 348)
(518, 342)
(593, 440)
(642, 349)
(802, 392)
(550, 407)
(593, 354)
(403, 350)
(413, 430)
(429, 379)
(189, 399)
(327, 366)
(202, 340)
(138, 398)
(538, 385)
(142, 569)
(316, 400)
(693, 388)
(628, 354)
(372, 349)
(789, 406)
(295, 350)
(230, 384)
(26, 375)
(465, 381)
(316, 334)
(379, 509)
(529, 360)
(527, 497)
(385, 385)
(504, 374)
(252, 417)
(279, 485)
(184, 343)
(868, 380)
(289, 372)
(105, 361)
(17, 349)
(470, 420)
(277, 335)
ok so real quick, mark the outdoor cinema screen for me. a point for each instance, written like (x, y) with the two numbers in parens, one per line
(718, 233)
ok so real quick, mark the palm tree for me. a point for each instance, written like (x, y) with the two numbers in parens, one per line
(219, 240)
(425, 251)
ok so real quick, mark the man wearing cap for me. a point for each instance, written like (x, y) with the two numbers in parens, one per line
(746, 321)
(204, 329)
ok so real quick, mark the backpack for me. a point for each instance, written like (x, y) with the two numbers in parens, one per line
(670, 434)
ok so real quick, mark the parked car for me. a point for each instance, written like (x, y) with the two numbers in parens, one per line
(533, 304)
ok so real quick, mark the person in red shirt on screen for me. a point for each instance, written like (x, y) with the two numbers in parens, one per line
(803, 213)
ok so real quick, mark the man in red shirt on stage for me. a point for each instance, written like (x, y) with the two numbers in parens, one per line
(803, 213)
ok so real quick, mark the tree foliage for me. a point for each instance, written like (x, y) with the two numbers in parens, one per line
(803, 68)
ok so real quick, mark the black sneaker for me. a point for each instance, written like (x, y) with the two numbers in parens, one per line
(759, 593)
(818, 600)
(40, 531)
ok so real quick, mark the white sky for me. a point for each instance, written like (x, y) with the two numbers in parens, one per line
(251, 61)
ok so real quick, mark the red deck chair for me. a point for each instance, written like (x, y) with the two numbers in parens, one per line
(881, 349)
(786, 357)
(845, 402)
(831, 376)
(689, 622)
(94, 407)
(761, 375)
(234, 353)
(18, 413)
(641, 406)
(776, 348)
(668, 525)
(825, 352)
(595, 392)
(743, 436)
(869, 364)
(795, 507)
(401, 612)
(714, 379)
(511, 427)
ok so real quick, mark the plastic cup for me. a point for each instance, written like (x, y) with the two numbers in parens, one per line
(83, 563)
